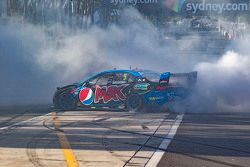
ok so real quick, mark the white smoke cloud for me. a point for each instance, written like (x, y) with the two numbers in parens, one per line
(133, 43)
(223, 85)
(36, 59)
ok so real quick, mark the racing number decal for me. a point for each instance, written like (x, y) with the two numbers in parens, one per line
(109, 93)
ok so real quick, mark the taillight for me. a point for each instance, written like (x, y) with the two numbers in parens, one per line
(161, 87)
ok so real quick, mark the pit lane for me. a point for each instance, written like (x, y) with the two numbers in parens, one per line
(96, 138)
(104, 138)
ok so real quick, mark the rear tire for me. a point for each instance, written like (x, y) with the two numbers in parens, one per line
(134, 103)
(178, 106)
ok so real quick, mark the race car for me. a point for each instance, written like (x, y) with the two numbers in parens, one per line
(129, 90)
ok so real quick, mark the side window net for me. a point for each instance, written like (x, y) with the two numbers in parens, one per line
(105, 80)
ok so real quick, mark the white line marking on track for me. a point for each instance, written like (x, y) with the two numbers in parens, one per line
(23, 122)
(155, 159)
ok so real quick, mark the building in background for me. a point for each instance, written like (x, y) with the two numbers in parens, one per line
(84, 13)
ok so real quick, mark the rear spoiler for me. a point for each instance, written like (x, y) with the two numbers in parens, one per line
(189, 78)
(192, 76)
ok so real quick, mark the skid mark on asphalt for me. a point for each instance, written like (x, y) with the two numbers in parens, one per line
(22, 123)
(129, 161)
(7, 122)
(144, 149)
(31, 151)
(65, 145)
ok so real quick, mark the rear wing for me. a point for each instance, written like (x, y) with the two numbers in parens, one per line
(179, 79)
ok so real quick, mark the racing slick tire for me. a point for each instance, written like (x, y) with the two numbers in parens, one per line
(66, 101)
(178, 106)
(134, 103)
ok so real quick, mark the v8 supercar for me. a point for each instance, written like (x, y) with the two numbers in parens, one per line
(131, 90)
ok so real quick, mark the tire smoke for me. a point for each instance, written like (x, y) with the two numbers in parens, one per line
(34, 60)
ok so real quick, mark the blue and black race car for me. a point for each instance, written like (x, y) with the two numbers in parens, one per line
(131, 90)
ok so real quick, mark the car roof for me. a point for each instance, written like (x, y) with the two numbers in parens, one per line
(132, 72)
(136, 73)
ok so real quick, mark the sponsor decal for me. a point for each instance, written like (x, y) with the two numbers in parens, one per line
(108, 93)
(86, 96)
(141, 80)
(143, 86)
(156, 98)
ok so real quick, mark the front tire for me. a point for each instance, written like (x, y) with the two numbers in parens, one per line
(134, 103)
(66, 101)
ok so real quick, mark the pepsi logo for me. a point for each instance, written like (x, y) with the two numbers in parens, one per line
(86, 96)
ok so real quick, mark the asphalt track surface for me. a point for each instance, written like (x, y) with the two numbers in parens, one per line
(37, 136)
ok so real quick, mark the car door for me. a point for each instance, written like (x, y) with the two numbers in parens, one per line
(103, 94)
(122, 83)
(93, 91)
(110, 90)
